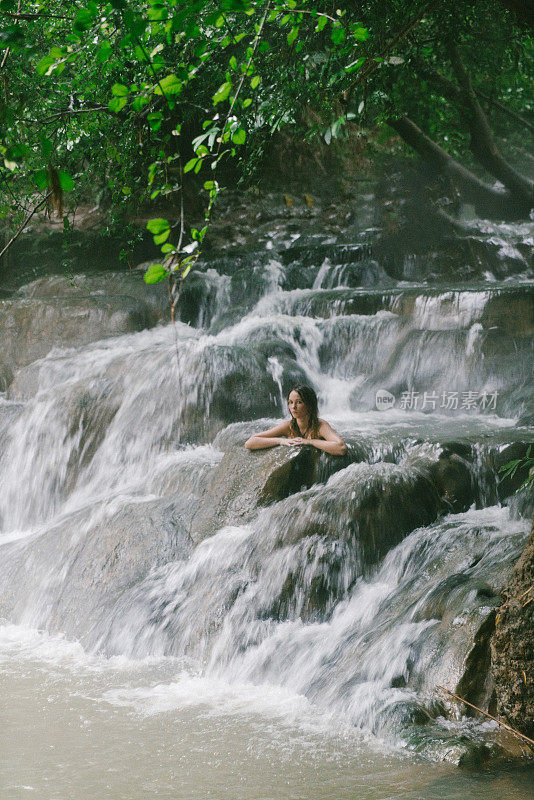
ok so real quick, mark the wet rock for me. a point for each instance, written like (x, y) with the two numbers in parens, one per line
(454, 481)
(511, 311)
(103, 284)
(477, 755)
(202, 298)
(375, 506)
(476, 685)
(526, 420)
(437, 602)
(60, 312)
(248, 389)
(246, 480)
(512, 646)
(75, 572)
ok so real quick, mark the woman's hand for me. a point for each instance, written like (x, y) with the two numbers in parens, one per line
(292, 441)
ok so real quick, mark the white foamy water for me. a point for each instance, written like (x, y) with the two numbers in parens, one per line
(88, 728)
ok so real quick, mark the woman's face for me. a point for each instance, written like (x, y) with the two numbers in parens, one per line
(297, 408)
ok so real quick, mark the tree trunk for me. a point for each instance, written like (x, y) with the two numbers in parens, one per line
(483, 144)
(453, 91)
(473, 189)
(505, 110)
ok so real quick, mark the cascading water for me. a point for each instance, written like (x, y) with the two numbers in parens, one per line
(133, 520)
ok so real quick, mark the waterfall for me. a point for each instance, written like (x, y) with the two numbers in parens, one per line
(132, 519)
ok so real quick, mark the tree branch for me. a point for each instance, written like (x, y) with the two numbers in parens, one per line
(483, 144)
(28, 218)
(453, 91)
(372, 64)
(473, 188)
(506, 110)
(71, 111)
(520, 735)
(31, 16)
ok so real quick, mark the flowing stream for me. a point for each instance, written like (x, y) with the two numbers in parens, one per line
(162, 636)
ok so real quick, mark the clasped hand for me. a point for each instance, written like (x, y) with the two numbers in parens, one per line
(299, 440)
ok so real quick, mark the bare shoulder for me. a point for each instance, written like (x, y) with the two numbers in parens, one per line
(327, 431)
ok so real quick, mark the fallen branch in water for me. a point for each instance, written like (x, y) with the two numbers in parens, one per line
(530, 742)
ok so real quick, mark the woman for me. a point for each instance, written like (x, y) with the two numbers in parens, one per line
(304, 427)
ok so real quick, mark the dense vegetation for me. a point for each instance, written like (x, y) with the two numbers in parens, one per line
(118, 101)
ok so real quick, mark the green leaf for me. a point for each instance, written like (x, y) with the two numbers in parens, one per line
(186, 271)
(158, 225)
(222, 92)
(170, 85)
(41, 179)
(104, 52)
(355, 65)
(83, 20)
(239, 136)
(117, 103)
(119, 90)
(360, 33)
(154, 119)
(65, 181)
(292, 35)
(255, 81)
(167, 248)
(157, 12)
(155, 274)
(321, 23)
(140, 53)
(338, 33)
(162, 237)
(46, 146)
(191, 164)
(44, 64)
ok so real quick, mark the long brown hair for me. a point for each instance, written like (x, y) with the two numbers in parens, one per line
(309, 398)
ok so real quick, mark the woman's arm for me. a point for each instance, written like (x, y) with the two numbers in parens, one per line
(330, 443)
(277, 435)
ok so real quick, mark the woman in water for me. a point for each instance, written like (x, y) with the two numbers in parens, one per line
(304, 427)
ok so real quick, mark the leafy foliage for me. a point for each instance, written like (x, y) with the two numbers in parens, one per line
(128, 97)
(525, 464)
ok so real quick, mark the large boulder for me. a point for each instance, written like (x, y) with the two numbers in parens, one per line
(58, 312)
(245, 480)
(70, 577)
(512, 646)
